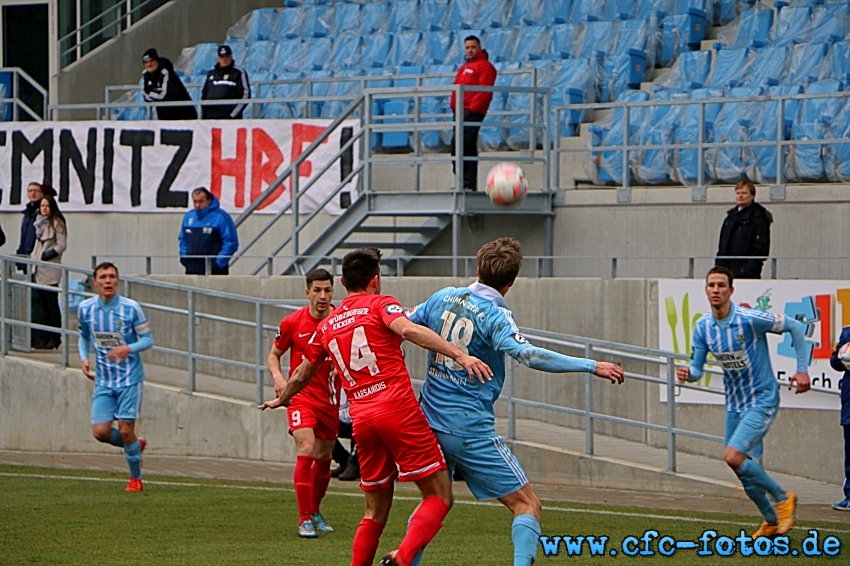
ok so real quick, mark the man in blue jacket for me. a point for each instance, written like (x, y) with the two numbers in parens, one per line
(840, 363)
(207, 231)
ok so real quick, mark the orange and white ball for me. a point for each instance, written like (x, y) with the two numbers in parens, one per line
(506, 185)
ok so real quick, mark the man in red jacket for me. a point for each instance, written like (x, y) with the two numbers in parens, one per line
(477, 71)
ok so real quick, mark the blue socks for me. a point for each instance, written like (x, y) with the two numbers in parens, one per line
(525, 534)
(758, 484)
(115, 438)
(133, 455)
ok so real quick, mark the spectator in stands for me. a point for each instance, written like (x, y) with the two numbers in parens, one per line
(745, 232)
(225, 81)
(207, 231)
(27, 242)
(161, 84)
(477, 71)
(51, 240)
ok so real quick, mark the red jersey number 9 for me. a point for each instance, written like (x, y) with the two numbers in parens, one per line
(361, 356)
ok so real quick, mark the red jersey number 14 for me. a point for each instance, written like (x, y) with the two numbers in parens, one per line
(361, 356)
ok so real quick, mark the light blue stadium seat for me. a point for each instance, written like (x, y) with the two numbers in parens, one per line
(376, 50)
(685, 166)
(589, 11)
(519, 138)
(754, 27)
(620, 73)
(621, 9)
(492, 14)
(206, 56)
(347, 52)
(380, 82)
(290, 56)
(321, 89)
(333, 108)
(263, 24)
(240, 52)
(806, 62)
(501, 44)
(437, 46)
(533, 43)
(573, 81)
(348, 18)
(837, 63)
(122, 114)
(637, 38)
(680, 33)
(406, 16)
(690, 71)
(769, 66)
(291, 23)
(651, 9)
(821, 111)
(261, 57)
(760, 162)
(377, 17)
(599, 37)
(730, 69)
(408, 49)
(653, 166)
(566, 40)
(320, 21)
(437, 107)
(710, 9)
(829, 23)
(836, 156)
(541, 12)
(611, 131)
(494, 138)
(317, 52)
(287, 109)
(435, 15)
(813, 121)
(792, 23)
(5, 114)
(462, 14)
(733, 124)
(730, 9)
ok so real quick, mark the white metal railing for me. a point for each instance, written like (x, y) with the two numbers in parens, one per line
(13, 103)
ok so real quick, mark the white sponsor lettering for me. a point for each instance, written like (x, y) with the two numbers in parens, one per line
(462, 302)
(108, 340)
(371, 390)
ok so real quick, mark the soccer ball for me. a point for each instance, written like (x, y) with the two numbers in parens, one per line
(844, 355)
(506, 184)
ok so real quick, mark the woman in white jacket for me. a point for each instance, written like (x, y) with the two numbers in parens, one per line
(51, 239)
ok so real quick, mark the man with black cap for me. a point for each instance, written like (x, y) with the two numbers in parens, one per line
(225, 81)
(161, 84)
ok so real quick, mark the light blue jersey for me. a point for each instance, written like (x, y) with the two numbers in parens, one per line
(476, 319)
(109, 325)
(739, 345)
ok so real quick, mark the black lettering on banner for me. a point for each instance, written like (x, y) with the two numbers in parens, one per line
(165, 197)
(2, 139)
(108, 160)
(21, 146)
(137, 139)
(346, 164)
(69, 153)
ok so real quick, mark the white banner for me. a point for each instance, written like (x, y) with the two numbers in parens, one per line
(153, 166)
(823, 305)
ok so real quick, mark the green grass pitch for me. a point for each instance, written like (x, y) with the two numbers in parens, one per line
(84, 517)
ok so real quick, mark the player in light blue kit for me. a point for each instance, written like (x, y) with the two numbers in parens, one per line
(119, 330)
(736, 337)
(476, 319)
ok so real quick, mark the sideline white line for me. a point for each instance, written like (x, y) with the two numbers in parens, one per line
(406, 498)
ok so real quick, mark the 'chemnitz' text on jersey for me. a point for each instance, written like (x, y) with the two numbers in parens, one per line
(108, 325)
(739, 345)
(477, 320)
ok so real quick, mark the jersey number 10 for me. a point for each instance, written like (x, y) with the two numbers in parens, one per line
(461, 336)
(361, 356)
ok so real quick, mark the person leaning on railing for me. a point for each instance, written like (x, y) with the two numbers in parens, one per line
(225, 81)
(745, 232)
(51, 240)
(161, 84)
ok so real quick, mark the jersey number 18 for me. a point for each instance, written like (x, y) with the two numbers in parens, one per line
(461, 336)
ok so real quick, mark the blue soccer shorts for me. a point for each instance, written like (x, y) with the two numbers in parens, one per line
(122, 403)
(488, 466)
(745, 430)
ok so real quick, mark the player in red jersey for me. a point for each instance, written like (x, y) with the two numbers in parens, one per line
(314, 413)
(363, 336)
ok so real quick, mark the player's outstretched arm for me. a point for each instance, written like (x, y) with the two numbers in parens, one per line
(553, 362)
(798, 332)
(297, 381)
(609, 371)
(430, 340)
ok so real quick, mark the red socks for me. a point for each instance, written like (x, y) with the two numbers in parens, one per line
(321, 479)
(366, 542)
(303, 480)
(423, 526)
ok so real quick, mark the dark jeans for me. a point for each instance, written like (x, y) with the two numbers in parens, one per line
(45, 310)
(340, 454)
(470, 149)
(846, 461)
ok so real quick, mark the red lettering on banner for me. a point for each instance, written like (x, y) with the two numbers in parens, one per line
(304, 134)
(230, 167)
(263, 173)
(824, 350)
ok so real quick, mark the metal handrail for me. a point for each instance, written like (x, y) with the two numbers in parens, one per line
(15, 98)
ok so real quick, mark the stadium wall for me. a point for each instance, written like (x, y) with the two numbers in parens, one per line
(178, 24)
